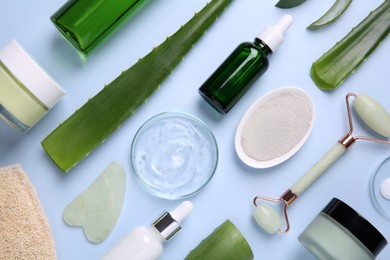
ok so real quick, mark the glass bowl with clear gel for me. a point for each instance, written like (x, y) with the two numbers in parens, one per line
(380, 187)
(174, 155)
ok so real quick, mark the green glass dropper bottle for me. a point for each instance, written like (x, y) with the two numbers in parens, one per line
(247, 62)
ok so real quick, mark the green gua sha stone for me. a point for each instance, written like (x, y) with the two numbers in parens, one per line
(98, 207)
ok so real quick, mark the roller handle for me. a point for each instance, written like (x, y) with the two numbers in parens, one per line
(318, 169)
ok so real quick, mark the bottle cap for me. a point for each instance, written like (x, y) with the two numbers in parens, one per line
(273, 35)
(168, 224)
(30, 74)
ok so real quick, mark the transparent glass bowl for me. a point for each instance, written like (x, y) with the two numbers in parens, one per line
(381, 174)
(174, 155)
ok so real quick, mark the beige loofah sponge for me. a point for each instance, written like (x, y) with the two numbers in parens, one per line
(24, 229)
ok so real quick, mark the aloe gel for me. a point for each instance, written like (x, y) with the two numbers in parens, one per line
(86, 23)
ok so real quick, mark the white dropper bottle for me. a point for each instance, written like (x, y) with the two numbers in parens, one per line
(146, 243)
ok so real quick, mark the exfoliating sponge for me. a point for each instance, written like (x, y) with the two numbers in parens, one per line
(24, 229)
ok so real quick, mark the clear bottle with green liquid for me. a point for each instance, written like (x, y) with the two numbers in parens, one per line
(85, 23)
(245, 64)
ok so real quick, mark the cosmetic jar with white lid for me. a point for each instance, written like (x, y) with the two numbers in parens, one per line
(27, 92)
(339, 232)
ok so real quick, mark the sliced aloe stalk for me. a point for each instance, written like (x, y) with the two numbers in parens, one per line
(289, 3)
(225, 242)
(334, 12)
(335, 65)
(90, 125)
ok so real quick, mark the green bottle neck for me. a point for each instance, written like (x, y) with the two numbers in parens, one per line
(267, 50)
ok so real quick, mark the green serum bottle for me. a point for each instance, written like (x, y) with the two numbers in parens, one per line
(247, 62)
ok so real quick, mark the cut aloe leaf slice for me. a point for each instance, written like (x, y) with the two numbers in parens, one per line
(334, 12)
(289, 3)
(335, 65)
(225, 242)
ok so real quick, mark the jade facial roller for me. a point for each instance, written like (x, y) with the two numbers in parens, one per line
(372, 113)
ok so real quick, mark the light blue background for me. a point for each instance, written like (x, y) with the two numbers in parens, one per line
(229, 195)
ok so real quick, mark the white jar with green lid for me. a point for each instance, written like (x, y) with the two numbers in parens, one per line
(27, 91)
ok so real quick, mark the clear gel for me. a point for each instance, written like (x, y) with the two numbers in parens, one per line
(173, 157)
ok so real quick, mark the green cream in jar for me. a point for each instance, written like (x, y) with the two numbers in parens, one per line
(27, 92)
(339, 232)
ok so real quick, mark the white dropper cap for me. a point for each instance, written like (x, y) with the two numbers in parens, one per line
(273, 35)
(168, 224)
(182, 211)
(30, 74)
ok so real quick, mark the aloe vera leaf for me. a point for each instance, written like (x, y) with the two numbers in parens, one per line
(224, 243)
(335, 65)
(90, 125)
(334, 12)
(289, 3)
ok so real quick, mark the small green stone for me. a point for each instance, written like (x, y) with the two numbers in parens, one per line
(267, 218)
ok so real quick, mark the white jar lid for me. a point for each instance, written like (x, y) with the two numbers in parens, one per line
(30, 74)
